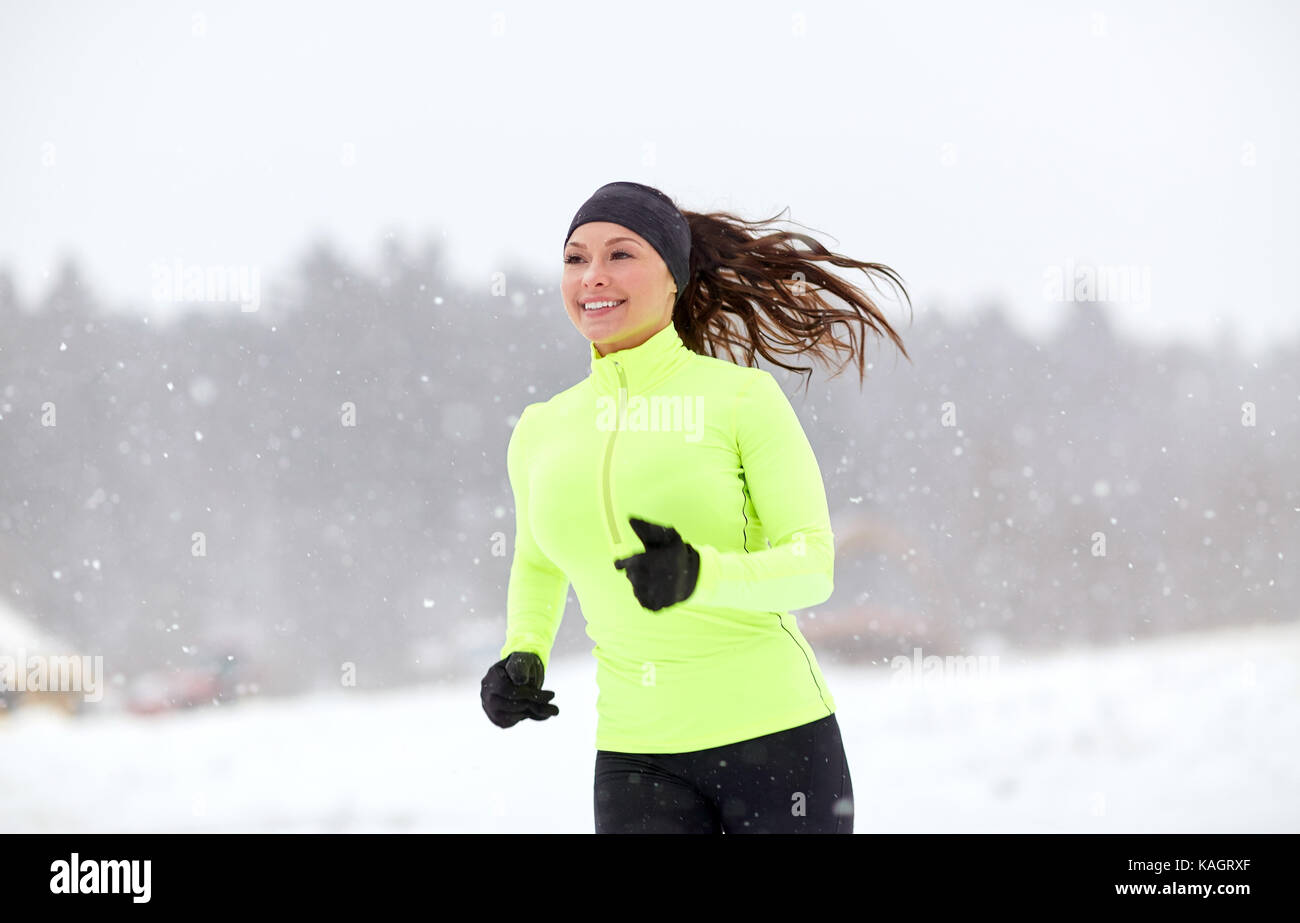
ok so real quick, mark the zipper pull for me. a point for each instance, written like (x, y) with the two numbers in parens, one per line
(622, 394)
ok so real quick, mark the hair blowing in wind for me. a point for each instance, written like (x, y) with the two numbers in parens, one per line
(752, 290)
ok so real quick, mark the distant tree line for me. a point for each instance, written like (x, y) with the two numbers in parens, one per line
(321, 483)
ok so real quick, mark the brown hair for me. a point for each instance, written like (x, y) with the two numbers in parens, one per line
(777, 293)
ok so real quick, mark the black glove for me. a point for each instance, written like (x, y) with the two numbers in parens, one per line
(666, 572)
(512, 690)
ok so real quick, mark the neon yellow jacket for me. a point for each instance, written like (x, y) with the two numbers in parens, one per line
(714, 450)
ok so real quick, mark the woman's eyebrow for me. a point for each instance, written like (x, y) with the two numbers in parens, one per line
(574, 243)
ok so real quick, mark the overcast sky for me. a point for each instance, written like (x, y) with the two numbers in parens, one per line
(982, 150)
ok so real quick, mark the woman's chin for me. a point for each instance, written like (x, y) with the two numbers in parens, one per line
(600, 328)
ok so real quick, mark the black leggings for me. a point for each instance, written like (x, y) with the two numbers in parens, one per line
(793, 781)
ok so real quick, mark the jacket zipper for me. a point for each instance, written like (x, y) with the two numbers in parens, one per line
(609, 454)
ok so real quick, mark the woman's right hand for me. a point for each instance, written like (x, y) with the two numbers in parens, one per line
(512, 690)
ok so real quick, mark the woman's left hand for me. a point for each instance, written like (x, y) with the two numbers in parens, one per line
(666, 572)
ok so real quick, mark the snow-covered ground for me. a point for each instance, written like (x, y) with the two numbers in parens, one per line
(1198, 733)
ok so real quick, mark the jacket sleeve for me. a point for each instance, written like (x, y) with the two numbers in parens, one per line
(537, 589)
(786, 487)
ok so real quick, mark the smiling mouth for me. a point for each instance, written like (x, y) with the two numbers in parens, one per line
(605, 306)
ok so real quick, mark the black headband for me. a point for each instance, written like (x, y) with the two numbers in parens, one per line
(648, 212)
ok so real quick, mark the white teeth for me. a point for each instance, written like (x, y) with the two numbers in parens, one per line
(596, 305)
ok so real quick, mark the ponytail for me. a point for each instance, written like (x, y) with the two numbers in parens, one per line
(777, 292)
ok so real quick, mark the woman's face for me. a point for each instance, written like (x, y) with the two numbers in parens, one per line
(607, 262)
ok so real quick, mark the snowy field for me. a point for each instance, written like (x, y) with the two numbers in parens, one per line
(1198, 733)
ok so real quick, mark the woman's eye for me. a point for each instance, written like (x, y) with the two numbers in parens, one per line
(572, 257)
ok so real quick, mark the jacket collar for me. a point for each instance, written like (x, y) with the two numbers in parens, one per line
(643, 367)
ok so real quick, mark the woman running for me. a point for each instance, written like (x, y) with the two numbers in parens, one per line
(679, 494)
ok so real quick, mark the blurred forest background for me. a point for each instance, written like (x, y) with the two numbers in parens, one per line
(971, 490)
